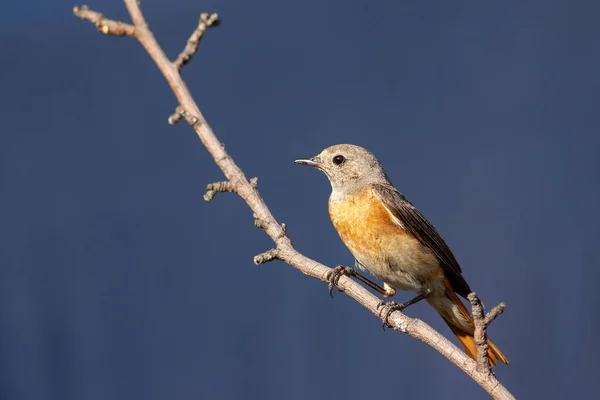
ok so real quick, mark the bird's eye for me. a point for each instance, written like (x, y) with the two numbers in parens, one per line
(339, 159)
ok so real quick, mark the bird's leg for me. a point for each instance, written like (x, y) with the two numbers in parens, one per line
(335, 274)
(391, 306)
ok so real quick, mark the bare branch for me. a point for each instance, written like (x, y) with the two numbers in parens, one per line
(189, 118)
(260, 223)
(106, 26)
(176, 116)
(494, 312)
(219, 187)
(482, 322)
(267, 256)
(238, 182)
(206, 21)
(213, 188)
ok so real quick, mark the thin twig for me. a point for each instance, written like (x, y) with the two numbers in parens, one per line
(106, 26)
(176, 116)
(206, 21)
(267, 256)
(219, 187)
(482, 322)
(494, 312)
(285, 251)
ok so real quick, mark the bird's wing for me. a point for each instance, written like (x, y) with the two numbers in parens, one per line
(415, 223)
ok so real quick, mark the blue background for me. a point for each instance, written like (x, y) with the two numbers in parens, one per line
(117, 281)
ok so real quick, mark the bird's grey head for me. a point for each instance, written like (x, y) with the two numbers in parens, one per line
(348, 168)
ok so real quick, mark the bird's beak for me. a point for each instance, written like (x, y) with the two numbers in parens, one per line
(313, 162)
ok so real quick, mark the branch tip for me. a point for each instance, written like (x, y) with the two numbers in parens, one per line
(494, 312)
(191, 47)
(482, 322)
(218, 187)
(104, 25)
(267, 256)
(176, 116)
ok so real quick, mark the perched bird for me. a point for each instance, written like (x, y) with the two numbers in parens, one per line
(391, 239)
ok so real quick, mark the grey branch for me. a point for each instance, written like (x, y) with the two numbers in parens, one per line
(482, 322)
(106, 26)
(267, 256)
(218, 187)
(176, 116)
(285, 251)
(259, 223)
(494, 312)
(189, 117)
(206, 21)
(213, 188)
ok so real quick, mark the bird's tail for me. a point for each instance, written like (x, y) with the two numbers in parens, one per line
(460, 321)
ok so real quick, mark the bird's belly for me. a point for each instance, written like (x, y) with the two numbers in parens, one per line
(403, 267)
(381, 246)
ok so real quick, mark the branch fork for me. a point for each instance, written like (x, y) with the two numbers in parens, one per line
(189, 118)
(482, 322)
(118, 28)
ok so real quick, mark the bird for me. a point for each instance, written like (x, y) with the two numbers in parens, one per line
(392, 240)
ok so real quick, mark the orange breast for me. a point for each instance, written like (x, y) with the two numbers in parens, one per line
(365, 225)
(380, 244)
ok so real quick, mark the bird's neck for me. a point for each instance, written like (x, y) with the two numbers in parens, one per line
(340, 191)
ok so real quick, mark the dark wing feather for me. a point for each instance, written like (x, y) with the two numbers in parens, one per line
(415, 223)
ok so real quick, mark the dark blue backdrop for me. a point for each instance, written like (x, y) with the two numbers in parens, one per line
(117, 281)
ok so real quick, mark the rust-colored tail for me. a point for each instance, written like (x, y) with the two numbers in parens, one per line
(468, 343)
(460, 321)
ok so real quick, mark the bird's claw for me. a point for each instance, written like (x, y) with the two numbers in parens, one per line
(388, 307)
(334, 276)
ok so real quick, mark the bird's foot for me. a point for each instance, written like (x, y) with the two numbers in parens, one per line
(387, 308)
(335, 274)
(391, 306)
